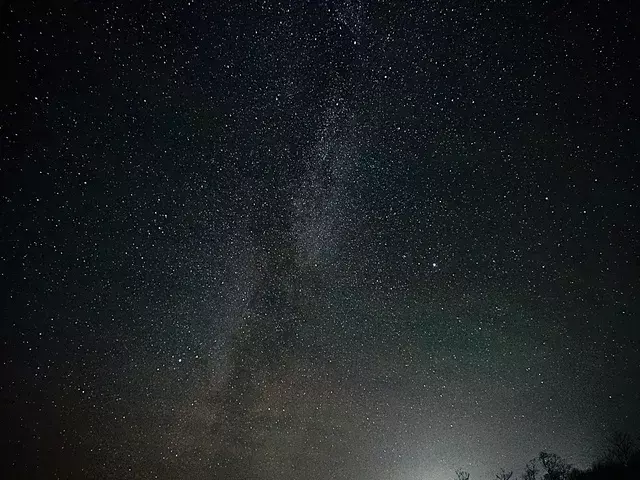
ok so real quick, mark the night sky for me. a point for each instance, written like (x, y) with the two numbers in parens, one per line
(316, 240)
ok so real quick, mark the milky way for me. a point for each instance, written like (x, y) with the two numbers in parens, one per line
(316, 240)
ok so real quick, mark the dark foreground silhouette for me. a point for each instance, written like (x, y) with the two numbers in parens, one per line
(621, 461)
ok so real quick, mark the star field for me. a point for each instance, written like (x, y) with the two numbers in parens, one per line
(311, 240)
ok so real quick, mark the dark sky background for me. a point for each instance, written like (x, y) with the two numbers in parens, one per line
(316, 240)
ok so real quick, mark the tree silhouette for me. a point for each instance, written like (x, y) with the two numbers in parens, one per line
(556, 467)
(531, 470)
(503, 475)
(462, 475)
(621, 461)
(621, 448)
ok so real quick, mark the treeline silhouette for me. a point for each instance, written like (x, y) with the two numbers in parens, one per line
(621, 461)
